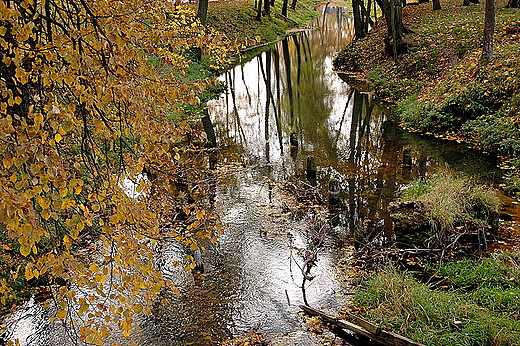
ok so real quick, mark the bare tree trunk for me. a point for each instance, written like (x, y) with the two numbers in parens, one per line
(293, 5)
(267, 7)
(202, 11)
(358, 19)
(285, 4)
(489, 31)
(370, 22)
(259, 11)
(436, 5)
(393, 29)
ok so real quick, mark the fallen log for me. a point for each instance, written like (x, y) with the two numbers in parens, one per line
(364, 328)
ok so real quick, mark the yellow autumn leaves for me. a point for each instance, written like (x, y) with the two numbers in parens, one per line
(80, 111)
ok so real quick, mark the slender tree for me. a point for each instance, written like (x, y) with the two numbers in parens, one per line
(202, 11)
(259, 11)
(285, 5)
(267, 7)
(513, 4)
(436, 5)
(360, 18)
(489, 31)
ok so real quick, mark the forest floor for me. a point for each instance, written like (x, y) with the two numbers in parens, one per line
(440, 86)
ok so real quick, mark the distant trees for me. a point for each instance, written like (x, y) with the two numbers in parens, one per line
(263, 8)
(467, 2)
(392, 11)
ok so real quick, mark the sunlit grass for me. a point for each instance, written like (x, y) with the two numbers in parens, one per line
(237, 19)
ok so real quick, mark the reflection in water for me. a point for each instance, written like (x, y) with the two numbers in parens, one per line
(259, 112)
(286, 95)
(291, 89)
(251, 278)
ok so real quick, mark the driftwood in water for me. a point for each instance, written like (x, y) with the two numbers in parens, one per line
(364, 328)
(197, 257)
(311, 167)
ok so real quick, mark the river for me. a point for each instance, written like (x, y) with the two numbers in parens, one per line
(288, 94)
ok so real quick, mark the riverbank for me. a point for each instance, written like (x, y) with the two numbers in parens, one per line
(236, 20)
(440, 87)
(452, 292)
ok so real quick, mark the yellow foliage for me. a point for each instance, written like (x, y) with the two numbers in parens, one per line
(81, 112)
(61, 314)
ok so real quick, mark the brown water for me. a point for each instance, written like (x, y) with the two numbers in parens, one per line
(252, 278)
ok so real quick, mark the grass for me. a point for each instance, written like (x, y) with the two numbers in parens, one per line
(236, 19)
(440, 86)
(487, 314)
(454, 200)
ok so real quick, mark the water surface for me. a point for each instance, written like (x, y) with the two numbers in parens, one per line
(253, 278)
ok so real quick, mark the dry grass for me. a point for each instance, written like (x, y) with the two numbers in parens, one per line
(454, 200)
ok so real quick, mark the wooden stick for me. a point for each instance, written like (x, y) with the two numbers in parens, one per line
(363, 327)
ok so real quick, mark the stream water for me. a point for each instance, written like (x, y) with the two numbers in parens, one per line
(253, 279)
